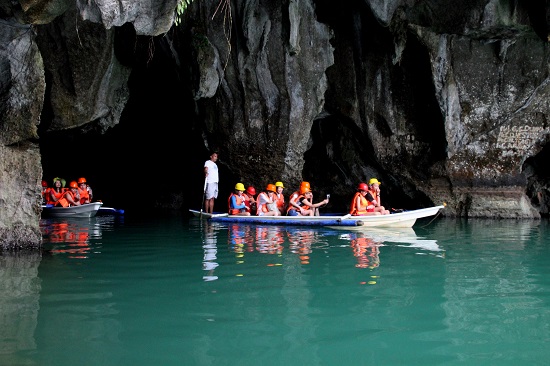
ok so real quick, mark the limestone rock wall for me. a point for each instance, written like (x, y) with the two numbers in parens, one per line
(440, 106)
(22, 88)
(451, 105)
(260, 92)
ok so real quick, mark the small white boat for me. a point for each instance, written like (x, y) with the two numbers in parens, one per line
(396, 220)
(85, 210)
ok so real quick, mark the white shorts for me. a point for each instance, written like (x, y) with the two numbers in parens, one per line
(211, 190)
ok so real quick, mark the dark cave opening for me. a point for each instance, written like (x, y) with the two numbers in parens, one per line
(538, 180)
(152, 158)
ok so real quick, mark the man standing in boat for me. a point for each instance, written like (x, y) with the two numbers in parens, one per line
(211, 180)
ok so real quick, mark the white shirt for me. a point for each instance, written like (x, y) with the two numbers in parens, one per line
(212, 176)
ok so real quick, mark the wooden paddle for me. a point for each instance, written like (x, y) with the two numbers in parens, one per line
(344, 217)
(203, 197)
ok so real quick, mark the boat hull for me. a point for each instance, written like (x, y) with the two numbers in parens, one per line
(397, 220)
(86, 210)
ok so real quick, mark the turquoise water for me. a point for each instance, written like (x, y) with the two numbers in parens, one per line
(178, 291)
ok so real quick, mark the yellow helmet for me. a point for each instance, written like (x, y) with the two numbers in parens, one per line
(239, 187)
(279, 184)
(374, 181)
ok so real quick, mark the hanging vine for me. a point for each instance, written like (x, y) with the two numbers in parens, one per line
(224, 7)
(180, 8)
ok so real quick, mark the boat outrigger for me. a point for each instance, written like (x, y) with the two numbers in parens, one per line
(394, 220)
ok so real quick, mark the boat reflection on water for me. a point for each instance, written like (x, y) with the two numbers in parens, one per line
(270, 239)
(72, 236)
(366, 250)
(303, 242)
(404, 237)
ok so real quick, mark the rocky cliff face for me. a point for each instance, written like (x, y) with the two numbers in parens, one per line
(440, 106)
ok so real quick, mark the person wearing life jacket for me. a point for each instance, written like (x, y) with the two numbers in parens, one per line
(236, 201)
(374, 190)
(45, 192)
(84, 191)
(56, 192)
(292, 200)
(250, 200)
(70, 197)
(303, 205)
(279, 197)
(265, 201)
(362, 204)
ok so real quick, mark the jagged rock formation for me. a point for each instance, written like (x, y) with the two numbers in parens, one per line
(439, 105)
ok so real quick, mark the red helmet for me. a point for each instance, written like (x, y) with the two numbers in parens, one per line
(81, 180)
(251, 191)
(363, 187)
(73, 184)
(44, 184)
(271, 187)
(304, 190)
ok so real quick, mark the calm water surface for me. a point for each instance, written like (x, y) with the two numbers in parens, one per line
(178, 291)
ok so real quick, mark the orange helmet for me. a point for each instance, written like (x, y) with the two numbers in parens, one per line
(73, 184)
(304, 190)
(44, 184)
(81, 180)
(251, 190)
(305, 184)
(271, 187)
(363, 187)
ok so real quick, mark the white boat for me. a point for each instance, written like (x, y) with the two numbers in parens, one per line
(85, 210)
(394, 220)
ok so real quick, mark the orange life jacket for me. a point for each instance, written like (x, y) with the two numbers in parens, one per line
(298, 201)
(364, 205)
(65, 202)
(84, 195)
(375, 196)
(293, 198)
(262, 207)
(58, 195)
(280, 201)
(239, 199)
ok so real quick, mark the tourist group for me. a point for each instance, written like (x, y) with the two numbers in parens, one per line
(78, 193)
